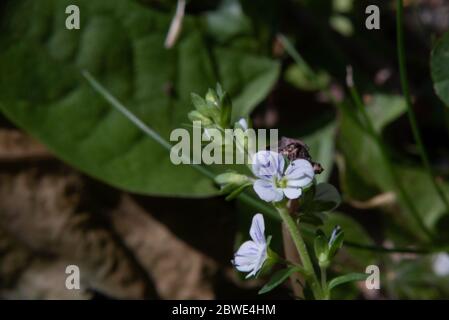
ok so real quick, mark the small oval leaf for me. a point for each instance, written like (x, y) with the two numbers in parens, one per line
(350, 277)
(278, 278)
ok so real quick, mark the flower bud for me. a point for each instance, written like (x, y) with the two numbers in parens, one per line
(216, 106)
(321, 249)
(232, 183)
(336, 241)
(325, 249)
(212, 97)
(205, 108)
(197, 116)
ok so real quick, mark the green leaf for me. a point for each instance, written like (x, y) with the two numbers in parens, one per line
(360, 150)
(439, 65)
(353, 186)
(326, 198)
(384, 109)
(363, 158)
(300, 77)
(322, 148)
(419, 185)
(121, 44)
(228, 21)
(313, 218)
(257, 74)
(278, 278)
(351, 277)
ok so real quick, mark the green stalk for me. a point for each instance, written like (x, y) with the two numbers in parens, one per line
(399, 187)
(324, 282)
(410, 112)
(300, 245)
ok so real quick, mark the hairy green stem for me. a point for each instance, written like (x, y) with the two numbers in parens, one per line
(300, 245)
(410, 112)
(324, 282)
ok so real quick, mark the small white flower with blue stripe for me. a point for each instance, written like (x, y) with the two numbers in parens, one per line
(252, 254)
(274, 183)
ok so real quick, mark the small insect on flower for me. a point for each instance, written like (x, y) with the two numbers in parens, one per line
(252, 254)
(274, 182)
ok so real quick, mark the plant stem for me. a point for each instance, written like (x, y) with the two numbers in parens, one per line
(399, 187)
(410, 112)
(302, 251)
(324, 282)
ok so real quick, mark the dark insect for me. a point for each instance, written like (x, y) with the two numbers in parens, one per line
(296, 149)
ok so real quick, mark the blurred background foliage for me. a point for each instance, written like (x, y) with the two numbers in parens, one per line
(139, 226)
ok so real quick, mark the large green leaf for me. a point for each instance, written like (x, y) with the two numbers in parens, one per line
(121, 44)
(439, 63)
(363, 157)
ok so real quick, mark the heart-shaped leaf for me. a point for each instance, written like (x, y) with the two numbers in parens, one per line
(120, 43)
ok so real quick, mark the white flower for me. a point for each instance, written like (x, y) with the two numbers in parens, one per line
(273, 182)
(441, 264)
(252, 254)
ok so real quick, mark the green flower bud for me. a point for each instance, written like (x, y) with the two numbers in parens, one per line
(212, 98)
(232, 183)
(207, 109)
(321, 249)
(336, 241)
(216, 106)
(197, 116)
(326, 249)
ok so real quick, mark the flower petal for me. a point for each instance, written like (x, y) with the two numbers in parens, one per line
(257, 230)
(267, 191)
(292, 193)
(299, 173)
(259, 262)
(246, 256)
(267, 164)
